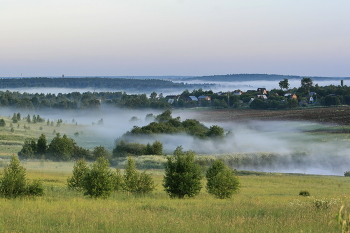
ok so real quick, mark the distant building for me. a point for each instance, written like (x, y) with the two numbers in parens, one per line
(191, 98)
(262, 91)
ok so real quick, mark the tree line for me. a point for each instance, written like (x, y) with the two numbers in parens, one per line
(182, 179)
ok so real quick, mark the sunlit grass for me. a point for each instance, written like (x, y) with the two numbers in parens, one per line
(268, 203)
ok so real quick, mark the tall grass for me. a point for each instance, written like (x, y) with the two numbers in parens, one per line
(269, 203)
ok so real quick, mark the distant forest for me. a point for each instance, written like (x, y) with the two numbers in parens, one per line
(252, 77)
(110, 83)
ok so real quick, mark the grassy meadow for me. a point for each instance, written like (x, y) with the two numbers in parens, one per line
(267, 202)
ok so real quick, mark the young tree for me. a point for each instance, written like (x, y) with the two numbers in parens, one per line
(182, 176)
(2, 123)
(29, 149)
(41, 146)
(98, 181)
(14, 118)
(13, 183)
(80, 169)
(131, 176)
(306, 84)
(221, 181)
(135, 182)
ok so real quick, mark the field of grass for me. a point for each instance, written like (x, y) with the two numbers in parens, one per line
(266, 203)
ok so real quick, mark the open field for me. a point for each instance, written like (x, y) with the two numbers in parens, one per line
(266, 203)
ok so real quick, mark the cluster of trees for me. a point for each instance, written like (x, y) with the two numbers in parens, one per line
(166, 124)
(99, 180)
(14, 183)
(61, 148)
(183, 177)
(124, 149)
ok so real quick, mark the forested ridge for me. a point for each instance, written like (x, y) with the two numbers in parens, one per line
(114, 83)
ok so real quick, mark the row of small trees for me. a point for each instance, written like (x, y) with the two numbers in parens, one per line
(98, 180)
(183, 178)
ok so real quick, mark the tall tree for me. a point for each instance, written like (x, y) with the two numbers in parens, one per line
(284, 84)
(306, 84)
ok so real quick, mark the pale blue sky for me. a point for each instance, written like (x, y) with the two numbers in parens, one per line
(174, 37)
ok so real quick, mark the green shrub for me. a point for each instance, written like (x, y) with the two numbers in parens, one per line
(80, 169)
(98, 181)
(35, 188)
(347, 173)
(135, 182)
(304, 193)
(13, 183)
(182, 176)
(221, 181)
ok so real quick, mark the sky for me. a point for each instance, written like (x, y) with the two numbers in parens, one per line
(174, 37)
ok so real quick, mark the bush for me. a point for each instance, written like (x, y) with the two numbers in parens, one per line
(182, 176)
(304, 193)
(98, 181)
(222, 182)
(80, 169)
(347, 173)
(14, 183)
(35, 188)
(135, 182)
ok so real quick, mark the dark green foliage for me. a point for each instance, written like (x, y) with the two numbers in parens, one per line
(29, 149)
(182, 176)
(13, 183)
(35, 188)
(80, 169)
(304, 193)
(168, 125)
(98, 181)
(2, 123)
(124, 149)
(41, 146)
(14, 118)
(100, 151)
(131, 176)
(135, 182)
(61, 148)
(118, 181)
(347, 173)
(155, 149)
(221, 181)
(215, 131)
(284, 84)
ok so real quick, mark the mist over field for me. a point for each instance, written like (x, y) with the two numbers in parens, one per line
(295, 150)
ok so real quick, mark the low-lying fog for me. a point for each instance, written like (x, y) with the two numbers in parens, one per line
(323, 154)
(216, 87)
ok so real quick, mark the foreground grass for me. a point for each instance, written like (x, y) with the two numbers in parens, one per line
(268, 203)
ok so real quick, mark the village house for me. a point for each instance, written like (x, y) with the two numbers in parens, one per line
(262, 91)
(192, 98)
(290, 96)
